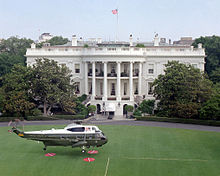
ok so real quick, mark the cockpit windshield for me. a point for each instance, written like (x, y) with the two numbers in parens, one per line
(76, 129)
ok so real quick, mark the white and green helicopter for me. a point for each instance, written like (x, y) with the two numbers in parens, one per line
(74, 135)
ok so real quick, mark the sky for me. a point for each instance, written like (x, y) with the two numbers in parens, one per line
(171, 19)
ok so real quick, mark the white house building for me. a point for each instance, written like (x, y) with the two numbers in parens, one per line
(115, 74)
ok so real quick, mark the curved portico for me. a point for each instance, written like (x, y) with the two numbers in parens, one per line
(115, 82)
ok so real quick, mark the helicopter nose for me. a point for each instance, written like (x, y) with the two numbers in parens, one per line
(104, 139)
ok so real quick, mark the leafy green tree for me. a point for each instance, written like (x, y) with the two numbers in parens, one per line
(129, 108)
(57, 40)
(81, 108)
(15, 46)
(12, 51)
(15, 94)
(212, 50)
(51, 84)
(181, 90)
(211, 108)
(147, 106)
(140, 45)
(92, 109)
(7, 61)
(137, 112)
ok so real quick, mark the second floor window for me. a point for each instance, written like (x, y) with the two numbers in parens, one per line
(151, 69)
(77, 68)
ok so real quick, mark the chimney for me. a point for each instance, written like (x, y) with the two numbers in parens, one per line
(200, 45)
(99, 40)
(130, 39)
(33, 45)
(169, 41)
(74, 40)
(156, 40)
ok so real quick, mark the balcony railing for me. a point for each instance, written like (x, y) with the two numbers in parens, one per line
(98, 97)
(125, 98)
(123, 74)
(111, 98)
(101, 74)
(112, 74)
(135, 74)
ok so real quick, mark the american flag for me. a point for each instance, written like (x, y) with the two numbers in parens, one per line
(115, 11)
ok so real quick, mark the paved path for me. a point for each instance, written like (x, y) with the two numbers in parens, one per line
(125, 122)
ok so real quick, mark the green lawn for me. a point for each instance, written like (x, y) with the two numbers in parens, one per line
(132, 150)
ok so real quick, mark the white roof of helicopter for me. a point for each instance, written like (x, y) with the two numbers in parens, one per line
(88, 129)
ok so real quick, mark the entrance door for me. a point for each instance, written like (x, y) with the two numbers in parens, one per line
(98, 106)
(124, 111)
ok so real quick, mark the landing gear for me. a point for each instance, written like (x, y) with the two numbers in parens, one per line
(45, 148)
(83, 149)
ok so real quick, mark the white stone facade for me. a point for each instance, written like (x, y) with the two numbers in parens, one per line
(117, 76)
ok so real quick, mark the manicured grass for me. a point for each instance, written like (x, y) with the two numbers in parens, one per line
(132, 150)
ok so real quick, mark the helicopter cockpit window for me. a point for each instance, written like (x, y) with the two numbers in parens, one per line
(77, 129)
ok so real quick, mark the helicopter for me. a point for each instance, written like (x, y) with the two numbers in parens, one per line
(73, 135)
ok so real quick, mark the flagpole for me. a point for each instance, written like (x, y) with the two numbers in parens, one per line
(117, 27)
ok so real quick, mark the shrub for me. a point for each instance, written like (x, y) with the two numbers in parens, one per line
(211, 109)
(82, 98)
(137, 112)
(91, 108)
(8, 119)
(147, 106)
(129, 108)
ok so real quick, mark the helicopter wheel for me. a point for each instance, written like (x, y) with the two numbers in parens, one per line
(44, 148)
(83, 149)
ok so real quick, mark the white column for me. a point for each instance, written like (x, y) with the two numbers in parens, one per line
(86, 78)
(140, 79)
(105, 85)
(131, 82)
(118, 81)
(93, 81)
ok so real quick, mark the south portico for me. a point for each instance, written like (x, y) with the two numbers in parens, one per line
(113, 83)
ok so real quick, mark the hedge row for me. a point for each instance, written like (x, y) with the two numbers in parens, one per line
(54, 117)
(8, 119)
(179, 120)
(70, 117)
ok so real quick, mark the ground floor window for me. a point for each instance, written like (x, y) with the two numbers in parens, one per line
(150, 88)
(77, 87)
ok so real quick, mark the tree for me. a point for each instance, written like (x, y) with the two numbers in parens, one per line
(15, 95)
(57, 40)
(92, 109)
(15, 46)
(212, 50)
(12, 51)
(211, 108)
(51, 84)
(147, 106)
(181, 91)
(140, 45)
(129, 109)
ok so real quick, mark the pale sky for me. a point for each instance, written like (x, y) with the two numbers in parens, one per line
(93, 18)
